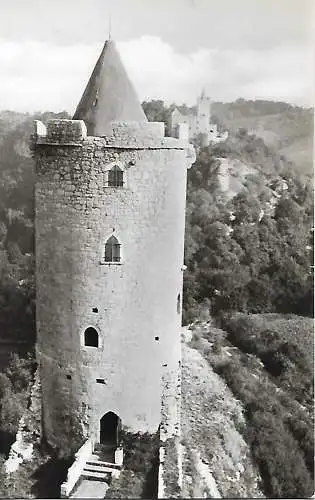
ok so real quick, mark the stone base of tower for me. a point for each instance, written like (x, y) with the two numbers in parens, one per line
(75, 409)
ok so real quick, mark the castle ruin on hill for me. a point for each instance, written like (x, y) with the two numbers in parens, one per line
(199, 122)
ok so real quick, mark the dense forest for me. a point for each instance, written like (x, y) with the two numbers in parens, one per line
(249, 254)
(253, 252)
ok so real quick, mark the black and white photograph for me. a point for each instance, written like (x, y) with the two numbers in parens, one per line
(157, 249)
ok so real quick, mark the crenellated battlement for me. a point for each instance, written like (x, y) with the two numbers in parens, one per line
(121, 135)
(59, 132)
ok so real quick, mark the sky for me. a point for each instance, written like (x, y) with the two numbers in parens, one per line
(254, 49)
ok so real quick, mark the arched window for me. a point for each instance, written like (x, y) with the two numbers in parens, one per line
(112, 250)
(91, 337)
(115, 177)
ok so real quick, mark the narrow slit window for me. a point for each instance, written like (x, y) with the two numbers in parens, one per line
(178, 304)
(112, 250)
(115, 177)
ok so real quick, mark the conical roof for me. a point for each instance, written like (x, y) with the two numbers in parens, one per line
(109, 95)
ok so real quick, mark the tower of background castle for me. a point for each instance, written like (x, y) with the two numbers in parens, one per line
(203, 114)
(110, 215)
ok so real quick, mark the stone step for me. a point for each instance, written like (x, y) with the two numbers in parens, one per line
(95, 475)
(100, 463)
(95, 468)
(102, 470)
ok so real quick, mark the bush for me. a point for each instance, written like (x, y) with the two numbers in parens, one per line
(140, 451)
(128, 485)
(12, 409)
(280, 461)
(285, 345)
(15, 384)
(20, 372)
(141, 463)
(284, 457)
(302, 431)
(170, 468)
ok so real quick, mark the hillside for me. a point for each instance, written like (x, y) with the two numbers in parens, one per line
(286, 128)
(248, 247)
(266, 362)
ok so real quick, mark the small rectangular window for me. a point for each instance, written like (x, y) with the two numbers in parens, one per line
(100, 381)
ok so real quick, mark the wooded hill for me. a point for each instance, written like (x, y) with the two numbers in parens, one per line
(287, 128)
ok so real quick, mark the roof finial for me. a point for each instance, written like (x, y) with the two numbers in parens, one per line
(109, 26)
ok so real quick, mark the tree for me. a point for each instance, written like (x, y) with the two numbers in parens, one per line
(3, 232)
(156, 111)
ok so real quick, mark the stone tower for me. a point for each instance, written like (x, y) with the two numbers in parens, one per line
(110, 214)
(203, 114)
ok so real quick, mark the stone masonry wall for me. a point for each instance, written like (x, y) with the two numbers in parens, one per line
(170, 467)
(137, 318)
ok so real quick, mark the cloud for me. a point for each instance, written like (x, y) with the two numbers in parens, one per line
(42, 76)
(279, 73)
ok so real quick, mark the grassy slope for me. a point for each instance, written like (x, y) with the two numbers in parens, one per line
(279, 415)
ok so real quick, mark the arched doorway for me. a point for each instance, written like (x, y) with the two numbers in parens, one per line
(110, 425)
